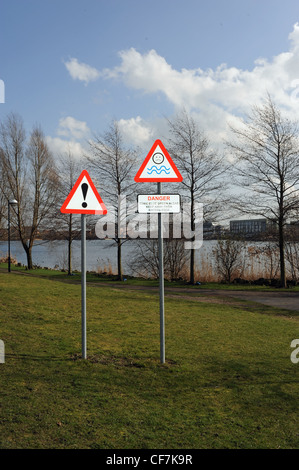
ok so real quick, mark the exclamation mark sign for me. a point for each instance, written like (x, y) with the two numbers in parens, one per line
(84, 188)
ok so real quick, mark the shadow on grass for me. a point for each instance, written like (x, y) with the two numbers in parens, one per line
(103, 359)
(234, 373)
(33, 357)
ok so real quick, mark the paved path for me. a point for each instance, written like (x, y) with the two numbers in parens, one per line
(284, 300)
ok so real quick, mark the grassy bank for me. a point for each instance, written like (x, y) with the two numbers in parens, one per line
(92, 277)
(228, 381)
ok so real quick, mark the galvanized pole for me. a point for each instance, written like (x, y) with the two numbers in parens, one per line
(161, 282)
(83, 284)
(9, 269)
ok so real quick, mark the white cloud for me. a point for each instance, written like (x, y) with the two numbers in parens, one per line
(135, 130)
(225, 90)
(60, 147)
(73, 131)
(71, 127)
(81, 71)
(215, 97)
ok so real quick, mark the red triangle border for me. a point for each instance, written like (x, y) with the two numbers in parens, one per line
(179, 177)
(64, 209)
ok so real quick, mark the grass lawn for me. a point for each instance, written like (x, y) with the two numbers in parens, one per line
(228, 381)
(102, 278)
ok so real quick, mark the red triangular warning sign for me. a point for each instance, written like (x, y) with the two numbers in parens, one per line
(158, 167)
(84, 198)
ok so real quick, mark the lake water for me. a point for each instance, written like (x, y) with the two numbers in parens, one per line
(99, 254)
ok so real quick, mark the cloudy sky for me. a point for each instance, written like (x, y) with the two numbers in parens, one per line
(74, 65)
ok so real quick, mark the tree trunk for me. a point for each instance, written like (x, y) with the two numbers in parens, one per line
(283, 282)
(192, 264)
(119, 265)
(69, 271)
(69, 268)
(28, 250)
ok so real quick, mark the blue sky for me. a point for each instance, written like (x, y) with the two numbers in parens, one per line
(73, 65)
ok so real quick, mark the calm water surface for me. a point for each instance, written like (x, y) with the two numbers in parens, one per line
(100, 254)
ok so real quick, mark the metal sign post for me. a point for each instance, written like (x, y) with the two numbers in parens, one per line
(83, 284)
(158, 167)
(161, 281)
(83, 199)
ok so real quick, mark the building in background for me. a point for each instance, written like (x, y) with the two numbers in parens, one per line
(211, 230)
(248, 226)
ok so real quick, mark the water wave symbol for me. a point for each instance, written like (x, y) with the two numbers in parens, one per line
(158, 170)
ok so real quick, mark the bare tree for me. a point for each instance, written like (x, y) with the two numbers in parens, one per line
(200, 166)
(176, 258)
(266, 148)
(146, 258)
(229, 258)
(68, 224)
(3, 203)
(292, 255)
(267, 255)
(29, 176)
(113, 165)
(292, 250)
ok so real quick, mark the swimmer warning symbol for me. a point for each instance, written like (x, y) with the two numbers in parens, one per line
(158, 167)
(84, 198)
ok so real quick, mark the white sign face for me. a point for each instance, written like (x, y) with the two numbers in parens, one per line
(83, 198)
(158, 167)
(159, 203)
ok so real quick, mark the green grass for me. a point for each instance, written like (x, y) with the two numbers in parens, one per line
(134, 281)
(228, 381)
